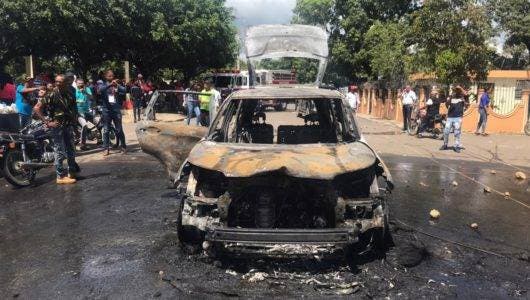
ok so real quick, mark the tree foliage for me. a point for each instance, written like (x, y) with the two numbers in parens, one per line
(347, 22)
(386, 50)
(386, 40)
(189, 35)
(451, 40)
(513, 16)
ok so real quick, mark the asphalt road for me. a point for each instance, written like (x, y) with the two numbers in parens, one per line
(112, 235)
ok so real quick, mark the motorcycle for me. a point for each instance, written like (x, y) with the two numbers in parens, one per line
(22, 154)
(418, 117)
(94, 128)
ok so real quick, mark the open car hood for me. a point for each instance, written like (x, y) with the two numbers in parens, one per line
(315, 161)
(277, 41)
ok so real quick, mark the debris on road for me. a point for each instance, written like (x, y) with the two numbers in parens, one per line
(454, 183)
(493, 172)
(507, 195)
(335, 288)
(231, 272)
(423, 184)
(435, 214)
(474, 225)
(254, 277)
(487, 189)
(520, 175)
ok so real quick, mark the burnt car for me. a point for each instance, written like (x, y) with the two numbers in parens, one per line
(256, 177)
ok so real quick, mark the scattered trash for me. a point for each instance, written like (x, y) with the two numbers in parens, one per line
(493, 172)
(435, 214)
(520, 175)
(454, 183)
(507, 195)
(338, 289)
(231, 272)
(423, 184)
(474, 225)
(487, 189)
(255, 277)
(161, 273)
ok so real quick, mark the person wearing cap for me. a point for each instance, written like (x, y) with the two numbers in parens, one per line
(353, 98)
(23, 100)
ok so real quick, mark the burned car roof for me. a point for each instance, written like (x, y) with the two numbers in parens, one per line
(317, 161)
(292, 92)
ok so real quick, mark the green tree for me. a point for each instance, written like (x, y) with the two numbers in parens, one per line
(188, 35)
(450, 40)
(347, 22)
(513, 16)
(386, 49)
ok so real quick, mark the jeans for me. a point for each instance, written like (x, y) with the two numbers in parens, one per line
(137, 109)
(63, 147)
(193, 107)
(113, 114)
(457, 124)
(82, 119)
(407, 110)
(25, 120)
(481, 127)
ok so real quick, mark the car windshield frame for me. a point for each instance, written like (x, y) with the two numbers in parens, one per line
(233, 106)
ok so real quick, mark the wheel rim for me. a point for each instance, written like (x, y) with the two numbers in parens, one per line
(14, 162)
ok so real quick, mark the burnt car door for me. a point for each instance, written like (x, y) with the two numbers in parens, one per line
(169, 141)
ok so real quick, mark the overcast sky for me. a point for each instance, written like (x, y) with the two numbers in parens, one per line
(255, 12)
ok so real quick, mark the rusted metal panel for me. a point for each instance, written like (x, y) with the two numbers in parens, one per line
(317, 161)
(170, 142)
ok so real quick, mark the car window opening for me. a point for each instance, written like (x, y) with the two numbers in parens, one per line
(286, 121)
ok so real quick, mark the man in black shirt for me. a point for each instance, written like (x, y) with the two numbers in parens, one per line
(456, 105)
(62, 108)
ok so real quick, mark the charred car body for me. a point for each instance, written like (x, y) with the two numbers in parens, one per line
(257, 177)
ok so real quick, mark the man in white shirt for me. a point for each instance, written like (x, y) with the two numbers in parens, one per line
(353, 97)
(408, 99)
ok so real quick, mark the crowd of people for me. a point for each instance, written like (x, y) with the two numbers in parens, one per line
(456, 103)
(67, 104)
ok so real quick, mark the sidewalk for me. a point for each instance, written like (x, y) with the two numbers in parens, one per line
(386, 137)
